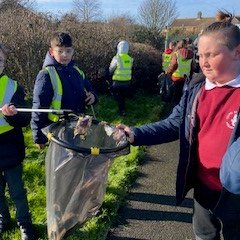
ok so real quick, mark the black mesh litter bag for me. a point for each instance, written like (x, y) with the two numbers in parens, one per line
(77, 164)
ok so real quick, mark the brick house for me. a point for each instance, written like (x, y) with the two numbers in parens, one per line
(194, 25)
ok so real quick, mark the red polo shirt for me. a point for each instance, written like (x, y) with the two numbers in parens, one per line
(217, 113)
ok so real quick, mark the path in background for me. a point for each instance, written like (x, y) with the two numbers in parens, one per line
(150, 212)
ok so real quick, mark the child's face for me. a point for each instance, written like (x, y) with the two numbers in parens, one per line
(218, 63)
(2, 61)
(62, 55)
(171, 46)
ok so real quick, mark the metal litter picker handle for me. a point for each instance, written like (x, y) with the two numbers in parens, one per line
(60, 111)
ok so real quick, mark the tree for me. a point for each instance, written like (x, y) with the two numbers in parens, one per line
(25, 33)
(156, 15)
(24, 3)
(87, 10)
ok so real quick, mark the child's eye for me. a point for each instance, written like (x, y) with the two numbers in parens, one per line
(213, 54)
(66, 51)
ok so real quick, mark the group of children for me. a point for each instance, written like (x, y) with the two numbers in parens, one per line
(178, 64)
(206, 121)
(60, 84)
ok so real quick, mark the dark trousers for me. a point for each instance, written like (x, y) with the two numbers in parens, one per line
(120, 92)
(13, 178)
(206, 225)
(177, 91)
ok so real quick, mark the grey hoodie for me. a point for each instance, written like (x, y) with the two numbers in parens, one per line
(122, 47)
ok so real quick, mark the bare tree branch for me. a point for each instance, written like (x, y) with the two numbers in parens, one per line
(25, 3)
(87, 10)
(156, 14)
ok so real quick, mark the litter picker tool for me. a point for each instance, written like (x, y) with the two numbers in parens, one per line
(42, 110)
(56, 111)
(81, 150)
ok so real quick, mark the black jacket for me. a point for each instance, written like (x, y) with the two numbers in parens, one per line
(73, 96)
(12, 147)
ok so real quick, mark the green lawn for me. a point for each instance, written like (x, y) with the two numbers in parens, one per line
(140, 109)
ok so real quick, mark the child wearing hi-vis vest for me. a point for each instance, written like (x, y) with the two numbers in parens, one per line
(59, 85)
(12, 153)
(167, 55)
(180, 68)
(121, 70)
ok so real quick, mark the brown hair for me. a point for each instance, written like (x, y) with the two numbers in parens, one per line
(230, 33)
(61, 39)
(223, 16)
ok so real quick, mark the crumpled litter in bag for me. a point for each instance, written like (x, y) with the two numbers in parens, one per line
(76, 171)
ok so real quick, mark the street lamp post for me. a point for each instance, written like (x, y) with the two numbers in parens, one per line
(166, 37)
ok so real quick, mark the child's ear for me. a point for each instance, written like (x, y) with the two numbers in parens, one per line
(51, 51)
(238, 52)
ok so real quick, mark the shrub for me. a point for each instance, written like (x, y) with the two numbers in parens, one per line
(27, 34)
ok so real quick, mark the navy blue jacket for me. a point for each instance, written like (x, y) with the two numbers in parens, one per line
(182, 124)
(12, 148)
(73, 96)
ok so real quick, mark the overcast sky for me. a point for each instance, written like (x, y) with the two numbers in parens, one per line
(185, 8)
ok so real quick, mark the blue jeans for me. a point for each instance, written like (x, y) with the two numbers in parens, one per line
(13, 178)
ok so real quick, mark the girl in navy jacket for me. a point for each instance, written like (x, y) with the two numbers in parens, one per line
(207, 123)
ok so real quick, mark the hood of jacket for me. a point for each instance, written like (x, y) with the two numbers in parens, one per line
(185, 53)
(50, 61)
(122, 47)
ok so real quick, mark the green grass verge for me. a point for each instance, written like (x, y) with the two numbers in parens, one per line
(141, 109)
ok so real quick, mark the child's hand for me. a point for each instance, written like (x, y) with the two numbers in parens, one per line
(90, 99)
(9, 110)
(40, 146)
(127, 131)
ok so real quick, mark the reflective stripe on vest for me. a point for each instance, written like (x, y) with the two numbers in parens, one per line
(184, 67)
(57, 89)
(7, 89)
(123, 71)
(166, 61)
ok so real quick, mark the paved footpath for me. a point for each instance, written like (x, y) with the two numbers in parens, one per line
(150, 212)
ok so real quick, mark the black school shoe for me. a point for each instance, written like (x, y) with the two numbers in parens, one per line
(122, 113)
(4, 226)
(27, 231)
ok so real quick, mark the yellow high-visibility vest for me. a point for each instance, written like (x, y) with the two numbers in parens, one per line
(123, 71)
(166, 57)
(57, 89)
(184, 67)
(7, 89)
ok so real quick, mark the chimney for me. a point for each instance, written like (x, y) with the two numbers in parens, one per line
(199, 15)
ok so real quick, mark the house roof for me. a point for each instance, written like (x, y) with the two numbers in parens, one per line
(192, 22)
(199, 21)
